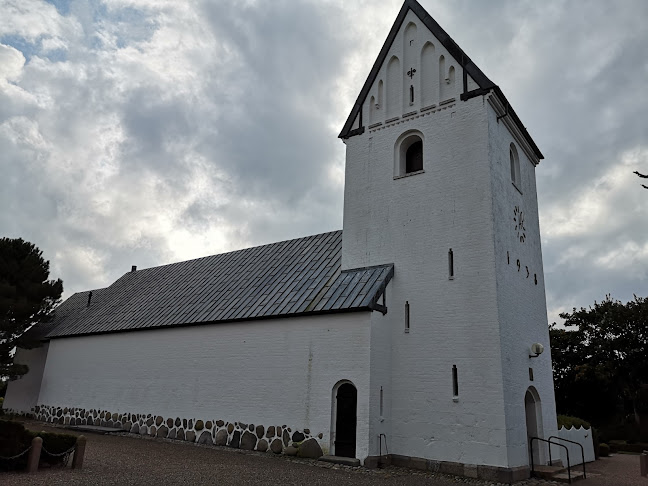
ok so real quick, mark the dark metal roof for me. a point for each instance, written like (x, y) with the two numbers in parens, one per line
(484, 83)
(290, 278)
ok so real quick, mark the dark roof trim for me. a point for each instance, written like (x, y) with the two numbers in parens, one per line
(366, 308)
(484, 83)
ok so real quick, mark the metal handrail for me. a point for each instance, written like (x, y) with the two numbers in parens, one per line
(572, 442)
(549, 442)
(380, 436)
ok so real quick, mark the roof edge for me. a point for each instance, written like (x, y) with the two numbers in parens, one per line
(207, 323)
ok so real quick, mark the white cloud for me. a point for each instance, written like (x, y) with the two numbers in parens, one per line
(142, 132)
(11, 64)
(34, 20)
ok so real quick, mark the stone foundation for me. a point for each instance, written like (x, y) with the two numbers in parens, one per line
(487, 473)
(273, 438)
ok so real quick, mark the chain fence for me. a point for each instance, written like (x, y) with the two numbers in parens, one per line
(2, 458)
(64, 454)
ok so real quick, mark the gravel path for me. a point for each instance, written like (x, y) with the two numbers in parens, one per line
(135, 460)
(616, 470)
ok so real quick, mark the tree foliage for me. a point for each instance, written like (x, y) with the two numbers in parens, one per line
(600, 360)
(26, 297)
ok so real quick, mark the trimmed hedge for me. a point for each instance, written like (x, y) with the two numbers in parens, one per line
(623, 446)
(15, 439)
(54, 443)
(604, 450)
(568, 422)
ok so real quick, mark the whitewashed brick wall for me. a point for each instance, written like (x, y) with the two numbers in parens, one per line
(271, 372)
(22, 394)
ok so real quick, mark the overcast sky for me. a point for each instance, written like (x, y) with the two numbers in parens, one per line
(144, 132)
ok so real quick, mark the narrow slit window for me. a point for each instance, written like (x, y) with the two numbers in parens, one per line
(515, 166)
(407, 316)
(455, 382)
(411, 94)
(381, 401)
(530, 374)
(450, 264)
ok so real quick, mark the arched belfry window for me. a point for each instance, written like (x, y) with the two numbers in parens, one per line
(414, 157)
(515, 166)
(409, 154)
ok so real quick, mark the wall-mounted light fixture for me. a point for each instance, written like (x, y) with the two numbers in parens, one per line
(536, 350)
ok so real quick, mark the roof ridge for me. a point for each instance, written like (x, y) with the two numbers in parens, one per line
(231, 252)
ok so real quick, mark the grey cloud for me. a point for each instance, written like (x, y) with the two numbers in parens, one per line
(171, 133)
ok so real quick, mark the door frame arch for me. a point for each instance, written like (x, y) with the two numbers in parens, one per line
(334, 413)
(533, 423)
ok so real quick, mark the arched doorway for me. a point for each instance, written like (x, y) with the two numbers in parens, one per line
(533, 411)
(346, 404)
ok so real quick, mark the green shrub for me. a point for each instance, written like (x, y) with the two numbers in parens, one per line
(622, 446)
(604, 450)
(54, 444)
(568, 422)
(16, 439)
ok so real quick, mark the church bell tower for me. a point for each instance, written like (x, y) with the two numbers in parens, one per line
(440, 181)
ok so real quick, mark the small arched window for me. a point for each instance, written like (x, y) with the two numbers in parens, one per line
(515, 166)
(414, 157)
(409, 155)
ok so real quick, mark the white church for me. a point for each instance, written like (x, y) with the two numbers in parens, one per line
(414, 335)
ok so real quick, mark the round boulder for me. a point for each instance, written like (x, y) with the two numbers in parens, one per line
(205, 438)
(262, 446)
(290, 451)
(221, 437)
(298, 436)
(248, 441)
(310, 449)
(236, 439)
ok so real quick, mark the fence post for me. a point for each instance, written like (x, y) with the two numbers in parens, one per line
(79, 452)
(34, 455)
(643, 463)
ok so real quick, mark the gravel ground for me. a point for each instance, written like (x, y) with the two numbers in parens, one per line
(616, 470)
(125, 459)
